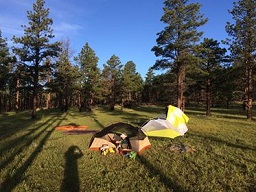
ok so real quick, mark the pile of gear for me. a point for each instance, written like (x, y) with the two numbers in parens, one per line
(120, 138)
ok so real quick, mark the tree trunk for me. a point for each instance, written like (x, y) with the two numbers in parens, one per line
(17, 101)
(1, 103)
(36, 77)
(249, 89)
(48, 100)
(208, 98)
(112, 102)
(48, 96)
(34, 102)
(180, 87)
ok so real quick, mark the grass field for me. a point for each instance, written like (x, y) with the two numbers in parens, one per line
(36, 157)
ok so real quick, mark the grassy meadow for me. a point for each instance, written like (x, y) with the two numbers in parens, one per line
(36, 157)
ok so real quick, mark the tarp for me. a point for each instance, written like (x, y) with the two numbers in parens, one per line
(72, 127)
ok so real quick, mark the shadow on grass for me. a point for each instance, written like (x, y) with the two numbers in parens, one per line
(13, 123)
(165, 180)
(126, 116)
(232, 113)
(21, 143)
(218, 140)
(17, 176)
(71, 175)
(10, 124)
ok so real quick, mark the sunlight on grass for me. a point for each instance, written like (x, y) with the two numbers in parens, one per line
(36, 157)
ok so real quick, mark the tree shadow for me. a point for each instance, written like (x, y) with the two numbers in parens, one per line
(218, 140)
(13, 179)
(71, 176)
(19, 145)
(169, 183)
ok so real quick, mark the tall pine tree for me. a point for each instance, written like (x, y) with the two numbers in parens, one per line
(132, 83)
(111, 75)
(176, 42)
(5, 61)
(243, 44)
(211, 56)
(35, 45)
(90, 76)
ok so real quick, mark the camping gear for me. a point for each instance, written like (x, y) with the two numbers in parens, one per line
(132, 155)
(72, 127)
(181, 148)
(122, 137)
(105, 149)
(172, 126)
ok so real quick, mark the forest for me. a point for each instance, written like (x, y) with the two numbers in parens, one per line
(40, 73)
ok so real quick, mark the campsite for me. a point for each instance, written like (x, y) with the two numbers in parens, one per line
(110, 96)
(37, 157)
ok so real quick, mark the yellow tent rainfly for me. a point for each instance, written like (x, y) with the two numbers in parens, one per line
(172, 126)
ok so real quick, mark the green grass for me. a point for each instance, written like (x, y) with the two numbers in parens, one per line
(36, 157)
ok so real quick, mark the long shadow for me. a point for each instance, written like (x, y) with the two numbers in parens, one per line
(218, 140)
(71, 176)
(12, 124)
(169, 183)
(232, 113)
(6, 124)
(131, 117)
(126, 116)
(11, 181)
(20, 139)
(25, 141)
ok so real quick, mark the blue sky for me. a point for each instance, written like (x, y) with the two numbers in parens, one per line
(126, 28)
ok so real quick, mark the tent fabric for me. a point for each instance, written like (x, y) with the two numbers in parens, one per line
(98, 142)
(172, 126)
(177, 118)
(139, 145)
(137, 140)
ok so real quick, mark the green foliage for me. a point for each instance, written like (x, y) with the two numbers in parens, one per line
(5, 60)
(176, 43)
(243, 44)
(36, 157)
(65, 77)
(180, 33)
(90, 75)
(132, 82)
(35, 44)
(111, 78)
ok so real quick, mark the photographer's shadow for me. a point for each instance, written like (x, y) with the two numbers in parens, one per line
(70, 181)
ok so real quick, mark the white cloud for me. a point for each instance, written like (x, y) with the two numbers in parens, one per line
(66, 29)
(11, 26)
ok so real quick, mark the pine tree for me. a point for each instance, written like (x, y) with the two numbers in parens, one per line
(111, 77)
(65, 77)
(5, 61)
(132, 83)
(243, 44)
(90, 75)
(35, 45)
(176, 42)
(148, 86)
(211, 56)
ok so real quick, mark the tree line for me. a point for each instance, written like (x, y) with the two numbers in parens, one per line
(40, 73)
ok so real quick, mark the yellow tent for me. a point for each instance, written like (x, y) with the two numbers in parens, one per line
(172, 126)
